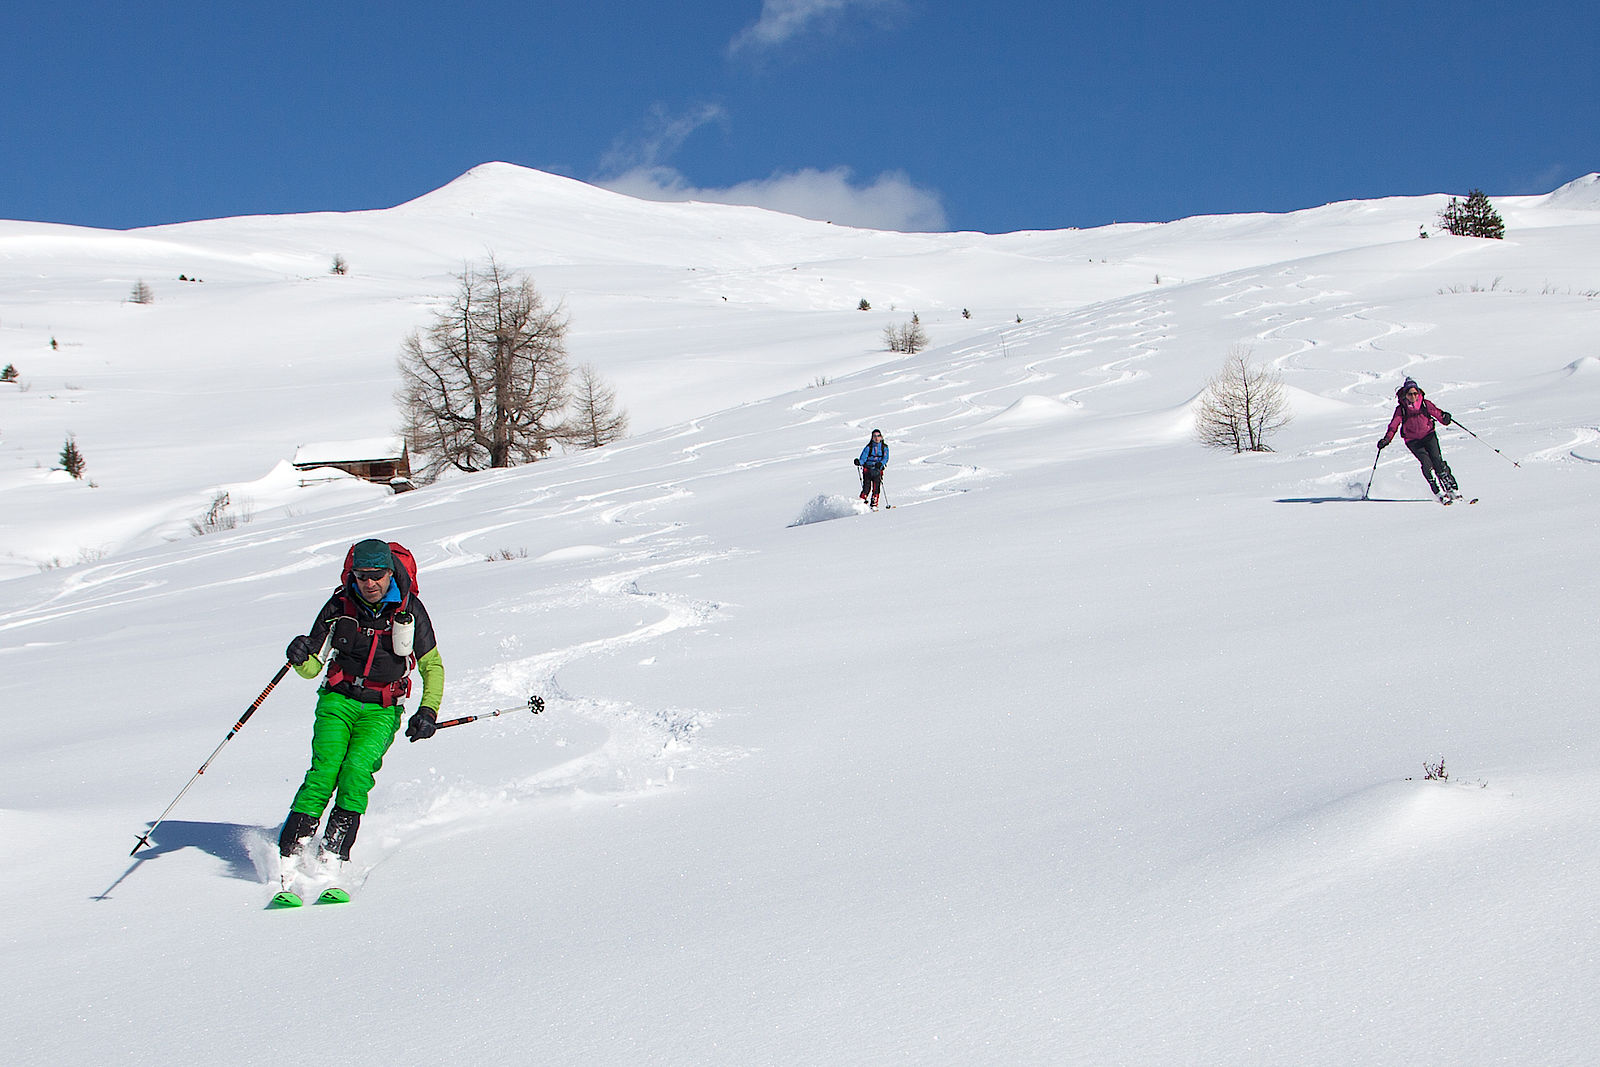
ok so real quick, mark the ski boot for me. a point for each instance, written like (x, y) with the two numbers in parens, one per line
(339, 835)
(298, 828)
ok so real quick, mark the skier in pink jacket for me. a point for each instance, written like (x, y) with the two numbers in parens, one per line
(1414, 418)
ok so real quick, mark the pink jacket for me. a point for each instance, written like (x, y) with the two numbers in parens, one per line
(1413, 423)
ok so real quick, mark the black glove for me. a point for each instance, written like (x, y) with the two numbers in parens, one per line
(1382, 445)
(858, 461)
(421, 727)
(1444, 417)
(299, 650)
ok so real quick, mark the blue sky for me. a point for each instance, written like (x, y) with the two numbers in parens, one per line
(907, 114)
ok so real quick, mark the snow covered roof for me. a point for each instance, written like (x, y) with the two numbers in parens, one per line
(367, 450)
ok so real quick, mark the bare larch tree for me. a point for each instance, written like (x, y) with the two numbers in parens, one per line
(595, 418)
(1242, 406)
(484, 385)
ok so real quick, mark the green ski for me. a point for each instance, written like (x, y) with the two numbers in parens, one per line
(333, 895)
(286, 899)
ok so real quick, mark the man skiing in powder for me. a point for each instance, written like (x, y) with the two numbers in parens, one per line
(378, 631)
(1414, 417)
(872, 460)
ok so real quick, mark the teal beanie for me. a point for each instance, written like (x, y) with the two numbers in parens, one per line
(372, 554)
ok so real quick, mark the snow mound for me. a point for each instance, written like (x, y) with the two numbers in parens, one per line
(1305, 402)
(824, 507)
(1031, 411)
(1582, 194)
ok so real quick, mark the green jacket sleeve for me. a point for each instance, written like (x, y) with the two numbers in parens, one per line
(431, 666)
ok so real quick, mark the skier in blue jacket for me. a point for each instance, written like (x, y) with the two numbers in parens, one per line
(872, 460)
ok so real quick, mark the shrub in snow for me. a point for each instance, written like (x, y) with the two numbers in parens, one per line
(9, 374)
(863, 306)
(142, 293)
(219, 515)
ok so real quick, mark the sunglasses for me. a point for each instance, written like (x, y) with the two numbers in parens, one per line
(370, 576)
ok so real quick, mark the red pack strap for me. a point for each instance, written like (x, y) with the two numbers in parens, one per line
(388, 693)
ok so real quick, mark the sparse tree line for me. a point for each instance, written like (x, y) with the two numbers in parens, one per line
(909, 337)
(70, 459)
(488, 383)
(142, 293)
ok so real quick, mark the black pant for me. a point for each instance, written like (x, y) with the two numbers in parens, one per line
(871, 481)
(1434, 468)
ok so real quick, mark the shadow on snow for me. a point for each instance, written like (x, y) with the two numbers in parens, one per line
(227, 841)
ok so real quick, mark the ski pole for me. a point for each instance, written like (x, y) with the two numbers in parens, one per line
(1366, 493)
(1475, 437)
(535, 704)
(144, 838)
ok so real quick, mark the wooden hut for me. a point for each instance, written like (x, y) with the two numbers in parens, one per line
(383, 460)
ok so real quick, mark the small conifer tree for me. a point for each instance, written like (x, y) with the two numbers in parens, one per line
(9, 374)
(72, 460)
(1474, 218)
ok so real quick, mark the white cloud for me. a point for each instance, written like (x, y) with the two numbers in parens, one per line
(891, 201)
(783, 20)
(663, 135)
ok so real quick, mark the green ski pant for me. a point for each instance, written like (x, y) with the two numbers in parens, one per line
(348, 741)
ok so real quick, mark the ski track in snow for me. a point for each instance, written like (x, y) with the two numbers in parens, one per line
(1584, 446)
(1298, 326)
(642, 748)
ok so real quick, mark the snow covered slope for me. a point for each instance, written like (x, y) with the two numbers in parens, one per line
(1095, 748)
